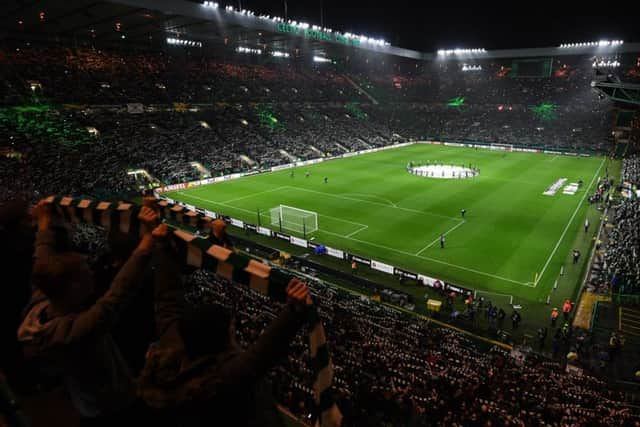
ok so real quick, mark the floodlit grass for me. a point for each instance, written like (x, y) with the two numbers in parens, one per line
(371, 206)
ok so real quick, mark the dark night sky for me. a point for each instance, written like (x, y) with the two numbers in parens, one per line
(427, 26)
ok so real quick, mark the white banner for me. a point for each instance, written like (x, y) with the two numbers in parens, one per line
(281, 167)
(237, 223)
(335, 252)
(526, 150)
(298, 242)
(190, 207)
(210, 214)
(380, 266)
(232, 176)
(430, 281)
(264, 231)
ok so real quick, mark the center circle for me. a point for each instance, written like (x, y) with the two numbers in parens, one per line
(444, 171)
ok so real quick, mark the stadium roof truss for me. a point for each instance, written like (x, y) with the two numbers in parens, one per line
(626, 93)
(151, 22)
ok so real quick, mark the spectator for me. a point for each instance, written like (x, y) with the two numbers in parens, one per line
(566, 309)
(71, 335)
(554, 316)
(515, 319)
(197, 370)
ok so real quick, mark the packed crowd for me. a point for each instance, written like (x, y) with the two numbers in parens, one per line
(622, 255)
(256, 115)
(166, 144)
(391, 368)
(565, 127)
(93, 76)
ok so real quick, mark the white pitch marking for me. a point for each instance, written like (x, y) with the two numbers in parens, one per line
(424, 257)
(214, 202)
(362, 226)
(375, 203)
(586, 192)
(357, 231)
(370, 195)
(373, 244)
(438, 238)
(253, 194)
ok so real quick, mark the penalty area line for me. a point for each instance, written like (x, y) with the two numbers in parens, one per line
(438, 238)
(364, 227)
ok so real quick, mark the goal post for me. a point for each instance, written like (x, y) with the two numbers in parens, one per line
(294, 219)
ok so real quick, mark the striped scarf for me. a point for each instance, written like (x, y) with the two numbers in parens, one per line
(201, 253)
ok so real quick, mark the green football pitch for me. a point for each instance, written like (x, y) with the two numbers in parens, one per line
(512, 241)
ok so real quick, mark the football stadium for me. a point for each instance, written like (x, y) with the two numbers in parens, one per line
(267, 213)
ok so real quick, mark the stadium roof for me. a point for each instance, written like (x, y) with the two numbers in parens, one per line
(151, 22)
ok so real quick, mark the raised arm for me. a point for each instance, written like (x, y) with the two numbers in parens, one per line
(274, 342)
(168, 285)
(104, 313)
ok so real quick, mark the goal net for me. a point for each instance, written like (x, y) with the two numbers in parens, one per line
(294, 219)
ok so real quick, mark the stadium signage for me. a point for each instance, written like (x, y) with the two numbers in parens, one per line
(380, 266)
(264, 231)
(250, 227)
(431, 282)
(310, 33)
(336, 253)
(283, 236)
(456, 289)
(360, 260)
(405, 274)
(282, 167)
(298, 242)
(184, 185)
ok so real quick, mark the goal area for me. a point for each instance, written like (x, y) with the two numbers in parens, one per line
(294, 219)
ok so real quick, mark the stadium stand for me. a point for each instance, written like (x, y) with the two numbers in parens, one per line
(258, 111)
(620, 262)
